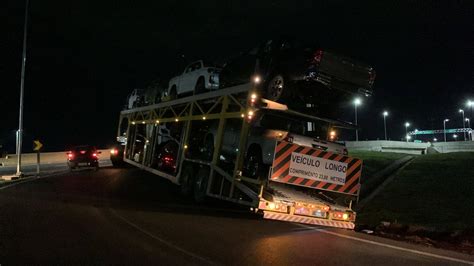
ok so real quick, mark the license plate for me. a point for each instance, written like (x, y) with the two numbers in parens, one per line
(319, 214)
(83, 164)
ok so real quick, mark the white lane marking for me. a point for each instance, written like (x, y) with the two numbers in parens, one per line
(169, 244)
(388, 245)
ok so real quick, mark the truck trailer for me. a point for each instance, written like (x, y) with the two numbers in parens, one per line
(190, 140)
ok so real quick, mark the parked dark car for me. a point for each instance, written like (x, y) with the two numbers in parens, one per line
(166, 159)
(116, 154)
(83, 156)
(291, 73)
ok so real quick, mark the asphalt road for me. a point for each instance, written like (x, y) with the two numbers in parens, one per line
(127, 216)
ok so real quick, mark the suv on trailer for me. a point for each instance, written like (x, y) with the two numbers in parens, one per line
(83, 156)
(196, 78)
(288, 72)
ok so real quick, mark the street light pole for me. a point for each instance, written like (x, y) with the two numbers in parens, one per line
(469, 126)
(19, 135)
(385, 114)
(470, 104)
(444, 128)
(406, 130)
(463, 123)
(357, 102)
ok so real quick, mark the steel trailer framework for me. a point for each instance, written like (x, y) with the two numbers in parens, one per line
(219, 105)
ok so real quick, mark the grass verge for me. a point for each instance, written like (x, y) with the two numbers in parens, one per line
(374, 162)
(431, 198)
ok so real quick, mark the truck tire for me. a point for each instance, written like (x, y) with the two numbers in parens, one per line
(275, 87)
(200, 184)
(200, 86)
(186, 180)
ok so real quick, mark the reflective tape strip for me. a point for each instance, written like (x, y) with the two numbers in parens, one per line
(306, 220)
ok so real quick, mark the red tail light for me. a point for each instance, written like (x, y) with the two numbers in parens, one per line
(70, 155)
(168, 161)
(94, 155)
(114, 151)
(318, 56)
(372, 76)
(82, 152)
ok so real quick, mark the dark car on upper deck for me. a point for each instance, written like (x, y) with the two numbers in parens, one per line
(289, 72)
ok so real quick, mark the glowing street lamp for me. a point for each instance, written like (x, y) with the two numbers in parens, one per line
(357, 102)
(406, 130)
(470, 104)
(385, 114)
(463, 123)
(444, 127)
(455, 137)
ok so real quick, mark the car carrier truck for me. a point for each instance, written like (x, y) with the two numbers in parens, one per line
(306, 182)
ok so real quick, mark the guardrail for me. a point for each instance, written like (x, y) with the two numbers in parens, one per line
(411, 147)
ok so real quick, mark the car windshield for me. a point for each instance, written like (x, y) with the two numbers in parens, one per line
(83, 148)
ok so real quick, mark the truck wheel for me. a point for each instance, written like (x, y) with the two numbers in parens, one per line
(200, 184)
(200, 86)
(253, 164)
(173, 93)
(186, 180)
(275, 87)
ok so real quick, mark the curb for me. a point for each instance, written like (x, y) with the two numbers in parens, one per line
(10, 183)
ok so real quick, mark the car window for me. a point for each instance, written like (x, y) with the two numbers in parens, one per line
(189, 68)
(197, 66)
(84, 148)
(268, 47)
(254, 51)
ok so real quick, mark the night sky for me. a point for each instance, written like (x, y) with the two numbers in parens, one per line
(84, 57)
